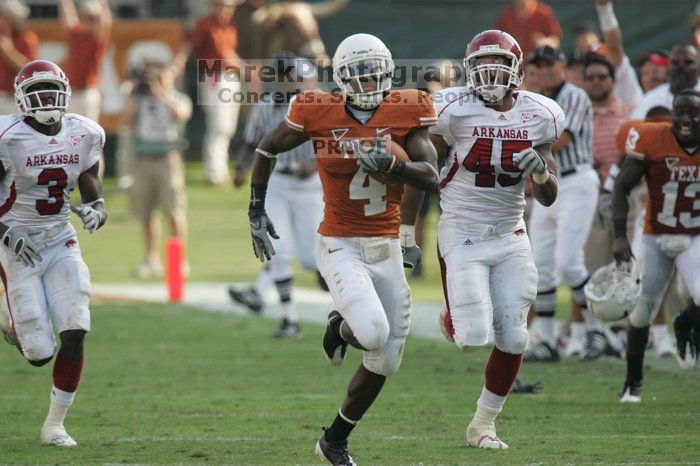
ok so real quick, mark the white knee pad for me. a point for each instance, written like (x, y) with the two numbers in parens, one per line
(512, 340)
(471, 329)
(387, 360)
(374, 334)
(36, 339)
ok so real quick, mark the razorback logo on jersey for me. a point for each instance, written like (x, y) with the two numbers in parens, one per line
(76, 138)
(70, 243)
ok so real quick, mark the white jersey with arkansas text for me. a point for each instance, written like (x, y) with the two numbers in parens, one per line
(479, 183)
(42, 170)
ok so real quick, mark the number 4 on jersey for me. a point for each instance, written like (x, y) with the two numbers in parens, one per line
(478, 161)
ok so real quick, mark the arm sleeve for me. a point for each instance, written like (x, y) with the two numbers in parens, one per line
(426, 110)
(441, 126)
(553, 124)
(97, 142)
(627, 87)
(634, 142)
(295, 115)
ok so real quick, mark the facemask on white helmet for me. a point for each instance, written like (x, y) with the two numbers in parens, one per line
(492, 73)
(46, 106)
(364, 79)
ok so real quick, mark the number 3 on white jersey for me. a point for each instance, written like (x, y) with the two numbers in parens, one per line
(667, 215)
(364, 187)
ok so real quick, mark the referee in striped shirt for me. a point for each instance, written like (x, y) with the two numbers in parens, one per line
(294, 193)
(559, 233)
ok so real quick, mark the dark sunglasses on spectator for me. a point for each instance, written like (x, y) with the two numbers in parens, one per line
(598, 76)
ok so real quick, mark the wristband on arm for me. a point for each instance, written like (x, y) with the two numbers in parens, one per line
(257, 197)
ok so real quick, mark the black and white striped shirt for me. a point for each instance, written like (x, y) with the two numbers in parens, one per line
(264, 117)
(579, 123)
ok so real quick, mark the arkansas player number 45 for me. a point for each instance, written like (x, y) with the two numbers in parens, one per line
(479, 161)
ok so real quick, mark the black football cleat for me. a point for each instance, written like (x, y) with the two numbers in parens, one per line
(631, 392)
(542, 352)
(334, 346)
(596, 345)
(248, 298)
(334, 452)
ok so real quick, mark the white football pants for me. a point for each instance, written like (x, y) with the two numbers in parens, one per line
(295, 207)
(559, 232)
(366, 279)
(488, 282)
(57, 288)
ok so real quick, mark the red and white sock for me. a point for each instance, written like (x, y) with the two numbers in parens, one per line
(501, 370)
(66, 378)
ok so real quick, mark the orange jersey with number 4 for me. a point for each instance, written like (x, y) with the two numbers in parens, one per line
(355, 203)
(672, 176)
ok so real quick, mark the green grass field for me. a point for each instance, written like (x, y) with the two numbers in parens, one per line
(174, 385)
(168, 384)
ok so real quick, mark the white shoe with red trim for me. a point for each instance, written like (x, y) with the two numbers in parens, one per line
(56, 436)
(484, 436)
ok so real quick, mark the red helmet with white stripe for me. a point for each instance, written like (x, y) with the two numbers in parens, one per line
(494, 64)
(47, 103)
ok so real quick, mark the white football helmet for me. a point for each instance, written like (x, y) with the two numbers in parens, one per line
(613, 290)
(363, 69)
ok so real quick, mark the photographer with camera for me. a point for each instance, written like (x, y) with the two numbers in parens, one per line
(156, 113)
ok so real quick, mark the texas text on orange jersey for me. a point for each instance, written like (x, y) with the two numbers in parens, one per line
(355, 203)
(672, 176)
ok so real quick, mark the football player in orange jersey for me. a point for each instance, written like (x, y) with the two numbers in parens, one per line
(669, 157)
(359, 252)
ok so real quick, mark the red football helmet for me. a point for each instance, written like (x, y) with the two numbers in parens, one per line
(491, 81)
(47, 105)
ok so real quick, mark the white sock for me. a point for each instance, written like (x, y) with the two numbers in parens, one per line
(491, 402)
(592, 322)
(289, 311)
(548, 332)
(60, 402)
(263, 282)
(578, 331)
(658, 332)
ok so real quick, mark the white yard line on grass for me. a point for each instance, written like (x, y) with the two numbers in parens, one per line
(311, 305)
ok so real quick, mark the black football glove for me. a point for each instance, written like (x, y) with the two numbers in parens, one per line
(412, 256)
(261, 229)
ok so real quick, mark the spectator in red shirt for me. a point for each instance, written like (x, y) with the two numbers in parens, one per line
(531, 23)
(88, 27)
(215, 38)
(18, 47)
